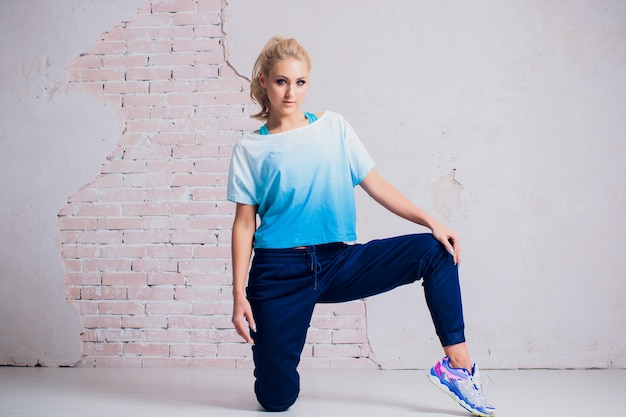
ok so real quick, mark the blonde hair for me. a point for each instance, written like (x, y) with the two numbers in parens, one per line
(276, 49)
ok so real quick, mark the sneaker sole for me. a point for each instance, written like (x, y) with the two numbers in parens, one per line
(446, 390)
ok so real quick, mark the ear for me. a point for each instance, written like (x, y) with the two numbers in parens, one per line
(262, 80)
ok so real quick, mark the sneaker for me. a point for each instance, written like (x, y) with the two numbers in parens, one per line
(465, 388)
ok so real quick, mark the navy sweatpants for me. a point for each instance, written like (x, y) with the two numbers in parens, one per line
(285, 284)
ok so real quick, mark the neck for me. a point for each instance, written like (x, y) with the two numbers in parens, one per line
(281, 123)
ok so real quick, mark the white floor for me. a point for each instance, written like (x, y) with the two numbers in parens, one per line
(68, 392)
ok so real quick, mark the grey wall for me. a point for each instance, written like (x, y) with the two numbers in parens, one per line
(506, 120)
(52, 142)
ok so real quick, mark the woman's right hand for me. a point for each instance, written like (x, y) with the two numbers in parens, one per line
(242, 313)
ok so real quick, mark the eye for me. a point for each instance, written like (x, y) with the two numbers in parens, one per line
(280, 81)
(301, 82)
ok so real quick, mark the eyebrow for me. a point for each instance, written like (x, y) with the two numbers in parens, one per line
(285, 77)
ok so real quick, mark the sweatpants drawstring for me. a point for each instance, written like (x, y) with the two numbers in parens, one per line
(315, 265)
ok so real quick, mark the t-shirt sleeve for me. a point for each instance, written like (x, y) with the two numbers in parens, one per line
(361, 163)
(241, 185)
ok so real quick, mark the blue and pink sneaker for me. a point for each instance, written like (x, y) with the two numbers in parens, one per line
(465, 388)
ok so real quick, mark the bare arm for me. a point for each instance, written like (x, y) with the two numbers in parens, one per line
(244, 227)
(389, 197)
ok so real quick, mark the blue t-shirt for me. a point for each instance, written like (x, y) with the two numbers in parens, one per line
(302, 181)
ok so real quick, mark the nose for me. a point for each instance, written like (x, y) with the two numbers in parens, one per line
(289, 91)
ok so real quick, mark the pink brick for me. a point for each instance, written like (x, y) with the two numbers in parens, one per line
(124, 167)
(114, 361)
(217, 223)
(192, 322)
(199, 293)
(165, 222)
(85, 195)
(85, 61)
(121, 307)
(118, 33)
(102, 349)
(100, 237)
(110, 74)
(166, 336)
(192, 237)
(154, 265)
(144, 322)
(171, 6)
(170, 251)
(167, 194)
(171, 112)
(195, 151)
(72, 293)
(133, 237)
(349, 336)
(79, 252)
(213, 308)
(107, 265)
(207, 31)
(319, 336)
(147, 180)
(222, 278)
(124, 279)
(121, 223)
(94, 322)
(197, 335)
(174, 59)
(148, 74)
(103, 293)
(124, 61)
(146, 349)
(201, 265)
(225, 98)
(122, 251)
(98, 209)
(196, 72)
(86, 307)
(164, 278)
(168, 307)
(210, 5)
(204, 18)
(145, 100)
(164, 362)
(179, 138)
(150, 293)
(122, 195)
(152, 20)
(234, 349)
(145, 209)
(109, 48)
(197, 350)
(330, 351)
(224, 321)
(126, 87)
(143, 46)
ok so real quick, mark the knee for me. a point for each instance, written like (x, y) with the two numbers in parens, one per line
(277, 399)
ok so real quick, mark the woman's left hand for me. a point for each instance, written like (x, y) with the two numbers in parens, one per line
(449, 239)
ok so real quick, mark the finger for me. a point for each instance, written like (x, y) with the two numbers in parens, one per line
(456, 252)
(242, 330)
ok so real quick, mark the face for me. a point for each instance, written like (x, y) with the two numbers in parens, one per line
(286, 85)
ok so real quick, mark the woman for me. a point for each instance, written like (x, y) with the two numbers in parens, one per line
(297, 173)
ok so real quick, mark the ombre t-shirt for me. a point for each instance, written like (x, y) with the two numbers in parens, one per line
(302, 182)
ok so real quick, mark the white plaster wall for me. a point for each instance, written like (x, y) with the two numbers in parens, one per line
(52, 141)
(505, 119)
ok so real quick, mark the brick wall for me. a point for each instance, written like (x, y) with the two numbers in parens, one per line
(146, 245)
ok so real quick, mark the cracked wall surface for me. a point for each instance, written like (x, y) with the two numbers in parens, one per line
(146, 244)
(506, 121)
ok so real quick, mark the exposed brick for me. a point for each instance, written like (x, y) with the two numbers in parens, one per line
(146, 245)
